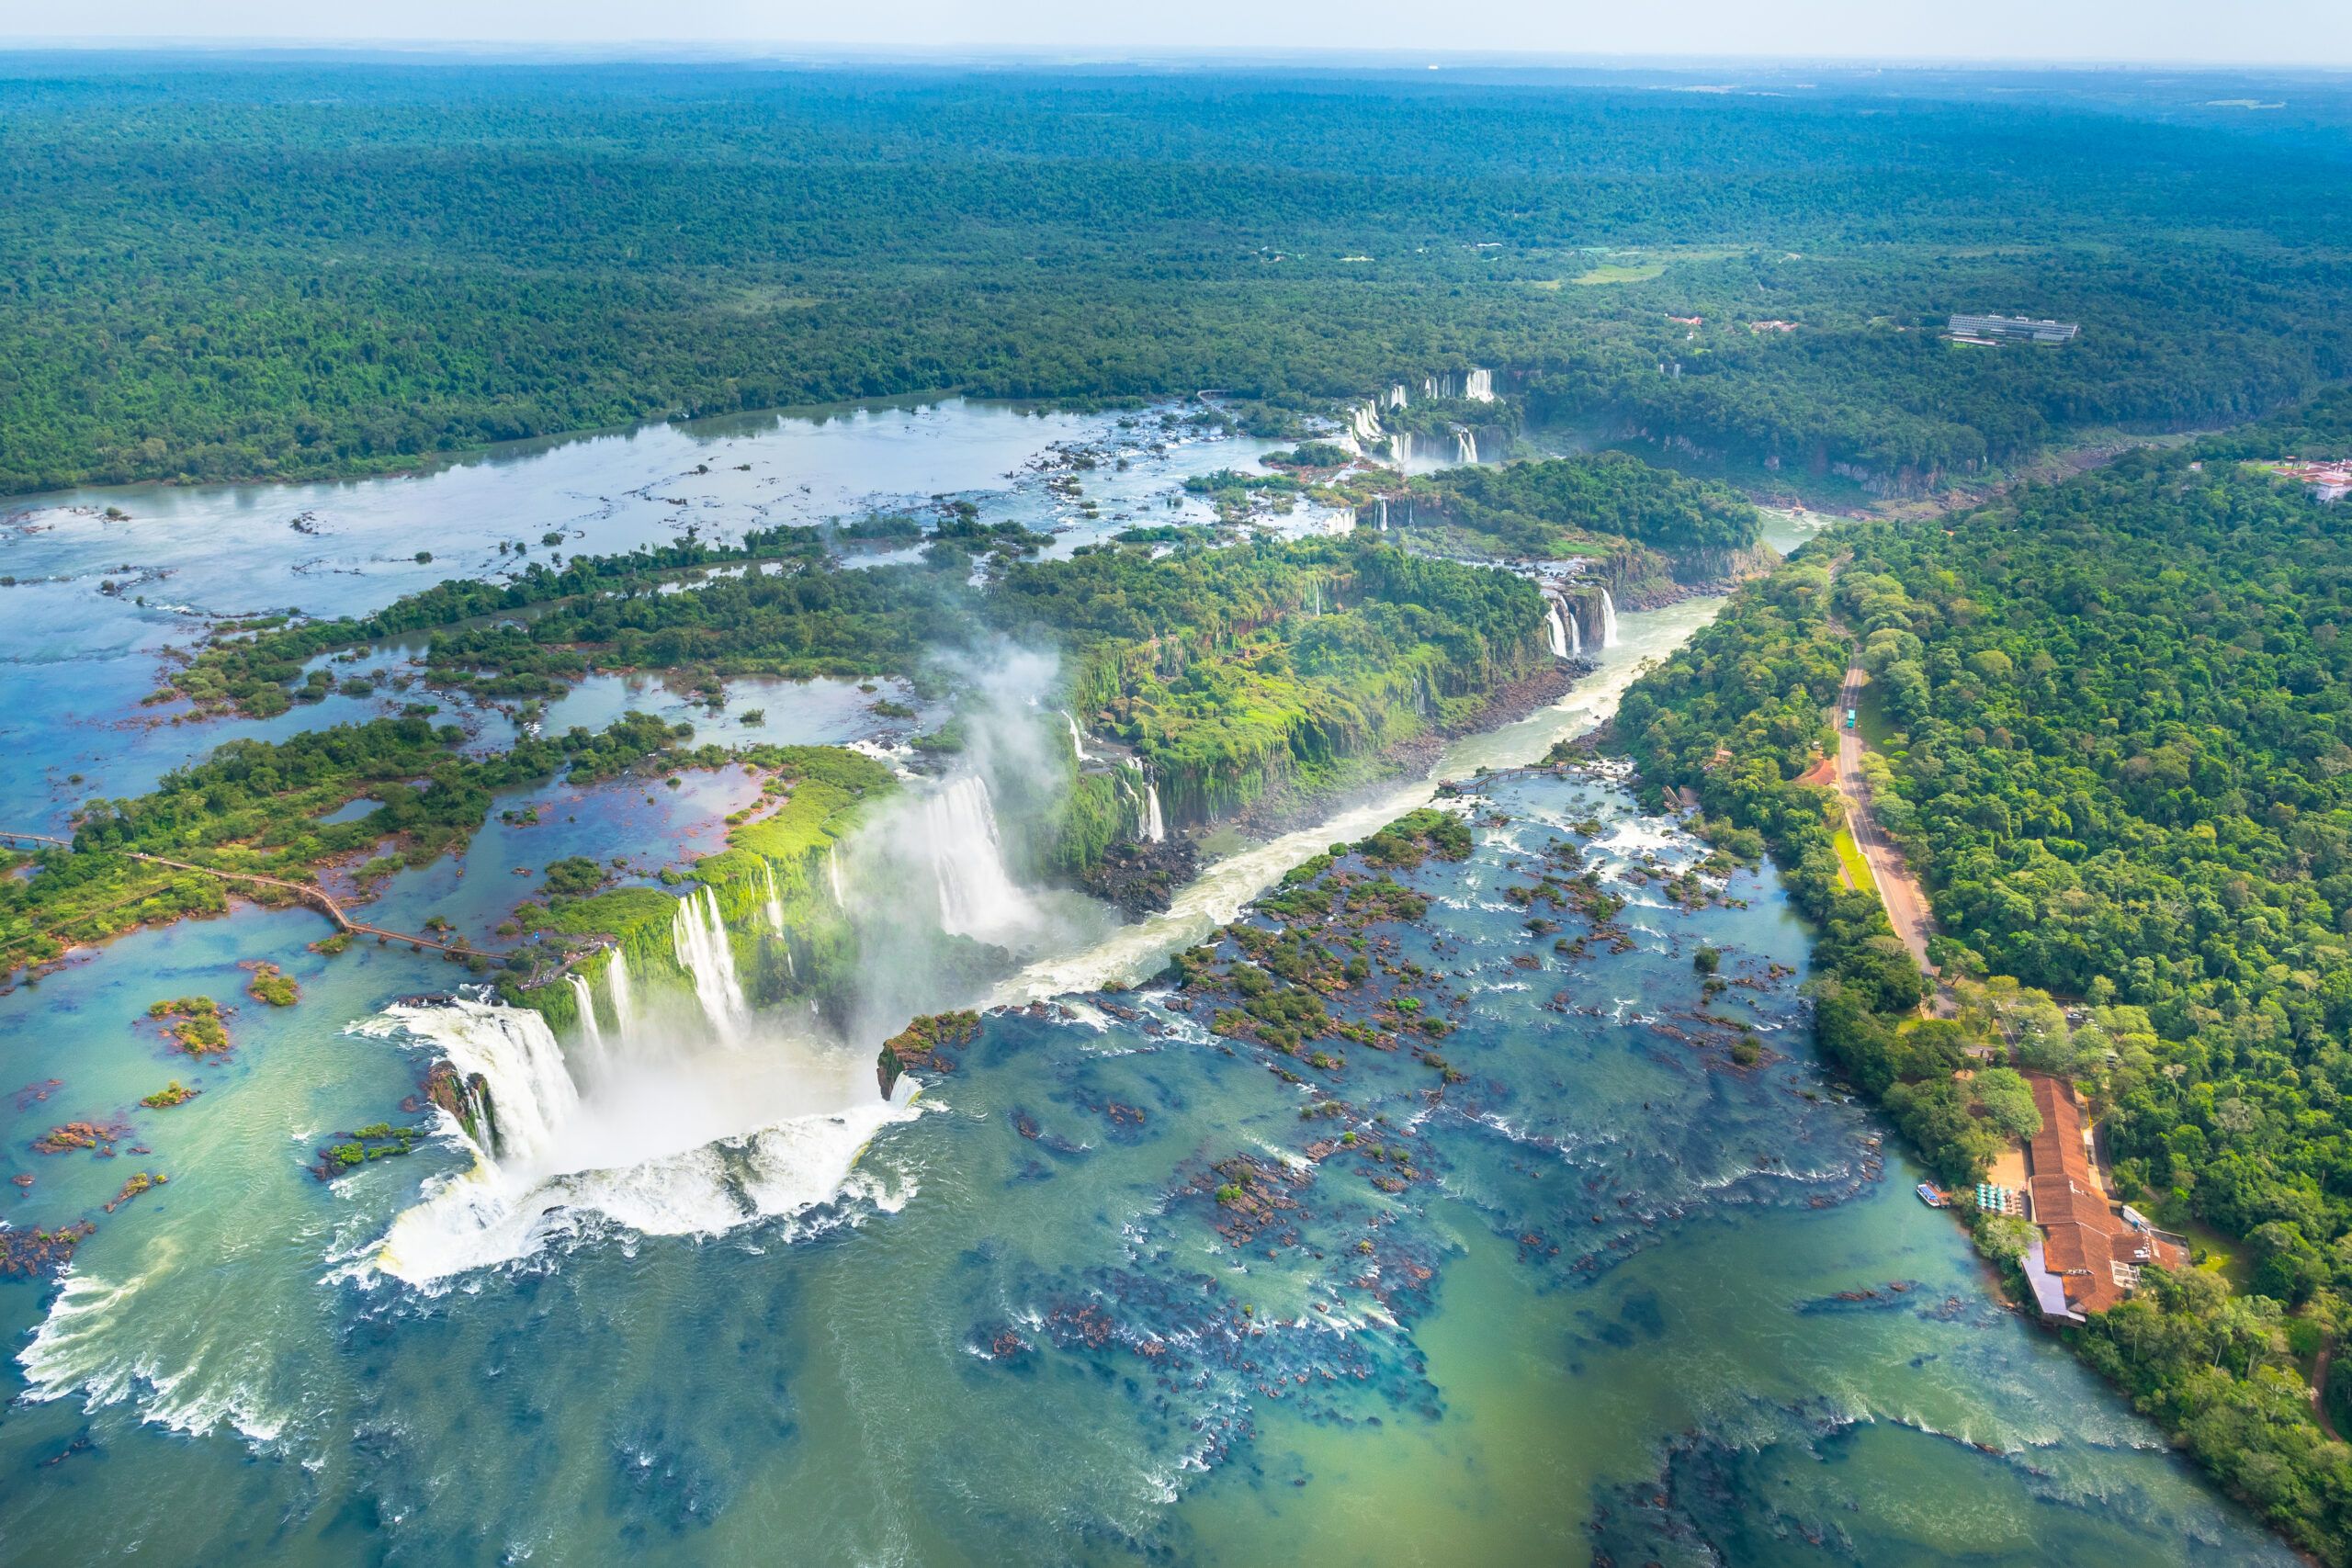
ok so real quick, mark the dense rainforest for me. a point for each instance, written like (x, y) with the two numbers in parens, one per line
(1229, 674)
(306, 266)
(1644, 531)
(2111, 718)
(1528, 507)
(2116, 742)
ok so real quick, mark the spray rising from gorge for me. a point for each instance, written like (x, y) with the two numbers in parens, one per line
(671, 1103)
(686, 1117)
(679, 1107)
(685, 1110)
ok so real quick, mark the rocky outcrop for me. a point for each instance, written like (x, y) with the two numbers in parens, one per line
(924, 1045)
(1141, 879)
(466, 1096)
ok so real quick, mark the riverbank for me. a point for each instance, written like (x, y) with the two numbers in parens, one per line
(1053, 1227)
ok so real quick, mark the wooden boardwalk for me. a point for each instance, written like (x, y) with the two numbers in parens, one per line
(309, 893)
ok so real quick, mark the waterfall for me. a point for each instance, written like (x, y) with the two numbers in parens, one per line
(1364, 420)
(1150, 826)
(1397, 396)
(1480, 387)
(1077, 737)
(1383, 515)
(699, 935)
(670, 1137)
(1429, 388)
(775, 902)
(1319, 596)
(976, 898)
(617, 991)
(591, 1033)
(1465, 445)
(1576, 636)
(1400, 446)
(833, 875)
(1557, 633)
(1607, 620)
(515, 1054)
(1154, 828)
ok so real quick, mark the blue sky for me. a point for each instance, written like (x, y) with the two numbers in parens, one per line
(2281, 32)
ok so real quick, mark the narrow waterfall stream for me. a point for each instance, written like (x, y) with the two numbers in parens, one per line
(775, 904)
(699, 935)
(591, 1033)
(617, 991)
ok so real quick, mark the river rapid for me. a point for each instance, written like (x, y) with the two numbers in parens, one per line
(718, 1300)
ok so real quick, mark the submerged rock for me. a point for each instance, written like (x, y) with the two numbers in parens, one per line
(42, 1254)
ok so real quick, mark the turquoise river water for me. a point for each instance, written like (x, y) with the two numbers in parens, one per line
(721, 1301)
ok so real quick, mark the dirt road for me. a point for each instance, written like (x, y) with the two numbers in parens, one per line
(1906, 902)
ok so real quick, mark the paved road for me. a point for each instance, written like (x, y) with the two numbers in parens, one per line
(1907, 903)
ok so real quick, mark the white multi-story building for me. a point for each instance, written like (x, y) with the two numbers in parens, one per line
(2010, 328)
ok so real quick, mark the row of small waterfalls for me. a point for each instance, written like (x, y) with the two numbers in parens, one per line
(678, 1108)
(1403, 445)
(1365, 432)
(1564, 627)
(1150, 824)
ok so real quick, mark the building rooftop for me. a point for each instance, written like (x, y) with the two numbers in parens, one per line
(1968, 328)
(2089, 1257)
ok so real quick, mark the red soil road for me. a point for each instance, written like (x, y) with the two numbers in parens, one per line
(1905, 901)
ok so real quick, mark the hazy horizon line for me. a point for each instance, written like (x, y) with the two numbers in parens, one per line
(784, 51)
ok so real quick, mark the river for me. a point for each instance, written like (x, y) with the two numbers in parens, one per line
(1629, 1300)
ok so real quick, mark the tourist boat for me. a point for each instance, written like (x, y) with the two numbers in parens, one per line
(1930, 1197)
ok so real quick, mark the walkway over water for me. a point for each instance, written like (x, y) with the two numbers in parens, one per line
(316, 896)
